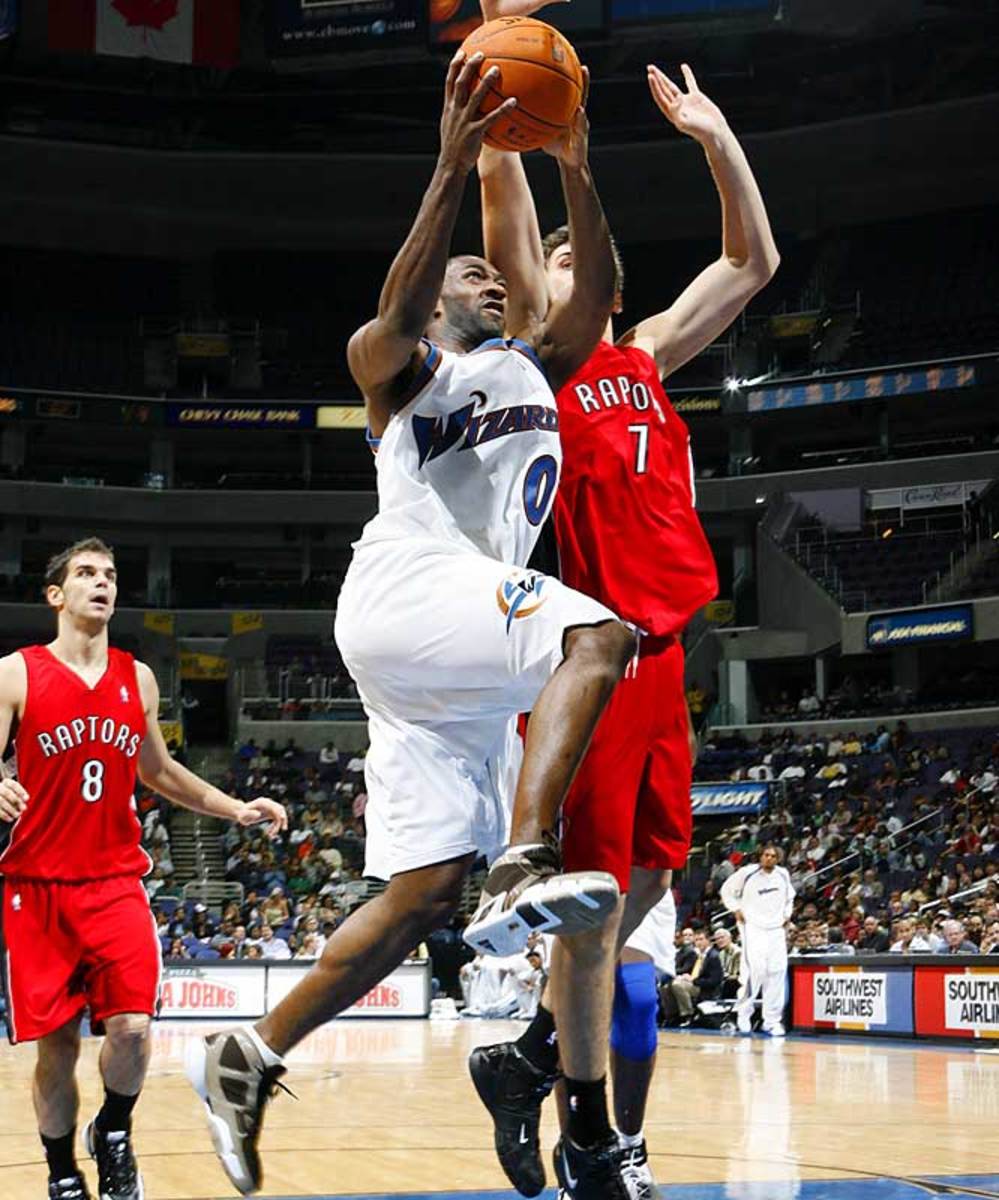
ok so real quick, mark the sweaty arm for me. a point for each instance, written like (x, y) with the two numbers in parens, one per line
(171, 779)
(13, 690)
(385, 354)
(749, 256)
(573, 326)
(512, 238)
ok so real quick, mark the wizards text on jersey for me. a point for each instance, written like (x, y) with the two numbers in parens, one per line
(465, 429)
(103, 731)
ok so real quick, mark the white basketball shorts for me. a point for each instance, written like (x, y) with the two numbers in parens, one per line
(446, 648)
(656, 935)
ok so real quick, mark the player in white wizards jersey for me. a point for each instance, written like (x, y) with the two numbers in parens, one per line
(446, 633)
(762, 897)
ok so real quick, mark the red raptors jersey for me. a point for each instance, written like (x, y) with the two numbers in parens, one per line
(77, 750)
(627, 531)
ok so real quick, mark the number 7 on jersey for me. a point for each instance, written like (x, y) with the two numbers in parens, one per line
(641, 433)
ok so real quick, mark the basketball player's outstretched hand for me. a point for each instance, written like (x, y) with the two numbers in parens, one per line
(13, 799)
(691, 112)
(260, 810)
(573, 147)
(462, 124)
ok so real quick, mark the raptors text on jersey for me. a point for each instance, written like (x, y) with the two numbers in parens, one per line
(77, 752)
(627, 530)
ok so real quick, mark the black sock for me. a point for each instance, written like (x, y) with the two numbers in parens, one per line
(589, 1122)
(60, 1156)
(116, 1113)
(539, 1042)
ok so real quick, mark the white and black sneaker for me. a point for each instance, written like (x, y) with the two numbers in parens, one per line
(513, 1090)
(73, 1187)
(228, 1073)
(637, 1173)
(593, 1173)
(118, 1175)
(525, 892)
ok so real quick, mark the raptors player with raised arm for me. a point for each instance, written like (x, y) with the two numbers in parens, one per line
(76, 928)
(627, 534)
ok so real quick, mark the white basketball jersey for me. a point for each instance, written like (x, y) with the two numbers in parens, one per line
(474, 457)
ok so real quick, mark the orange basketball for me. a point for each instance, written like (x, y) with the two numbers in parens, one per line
(540, 68)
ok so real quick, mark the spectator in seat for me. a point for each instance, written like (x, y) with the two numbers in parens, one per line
(686, 955)
(990, 939)
(696, 702)
(817, 943)
(909, 941)
(272, 947)
(955, 939)
(702, 982)
(836, 942)
(809, 703)
(874, 939)
(310, 947)
(177, 949)
(731, 961)
(274, 909)
(223, 937)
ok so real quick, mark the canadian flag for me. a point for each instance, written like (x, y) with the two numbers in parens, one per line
(205, 32)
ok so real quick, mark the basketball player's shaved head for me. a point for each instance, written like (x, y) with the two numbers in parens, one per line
(472, 304)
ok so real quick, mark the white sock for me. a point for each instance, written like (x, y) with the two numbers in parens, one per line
(266, 1053)
(630, 1141)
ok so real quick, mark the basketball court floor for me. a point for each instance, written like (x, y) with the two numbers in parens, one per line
(385, 1109)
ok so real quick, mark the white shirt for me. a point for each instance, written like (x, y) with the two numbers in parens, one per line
(473, 460)
(765, 898)
(275, 948)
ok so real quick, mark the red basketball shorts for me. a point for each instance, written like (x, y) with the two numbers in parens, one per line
(69, 946)
(629, 804)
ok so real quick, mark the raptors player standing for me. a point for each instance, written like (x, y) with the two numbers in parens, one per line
(77, 930)
(628, 535)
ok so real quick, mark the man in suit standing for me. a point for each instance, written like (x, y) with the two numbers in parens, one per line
(702, 982)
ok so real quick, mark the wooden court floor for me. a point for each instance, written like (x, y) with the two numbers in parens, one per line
(385, 1108)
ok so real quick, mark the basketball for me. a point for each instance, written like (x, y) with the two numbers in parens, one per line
(540, 68)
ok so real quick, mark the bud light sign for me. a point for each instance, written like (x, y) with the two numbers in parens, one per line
(724, 799)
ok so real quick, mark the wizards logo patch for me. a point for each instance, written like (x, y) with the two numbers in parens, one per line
(519, 595)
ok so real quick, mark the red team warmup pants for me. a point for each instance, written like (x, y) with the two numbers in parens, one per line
(629, 804)
(73, 945)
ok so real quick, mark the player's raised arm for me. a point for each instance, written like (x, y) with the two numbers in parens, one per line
(385, 353)
(512, 239)
(574, 326)
(749, 256)
(171, 779)
(510, 232)
(13, 683)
